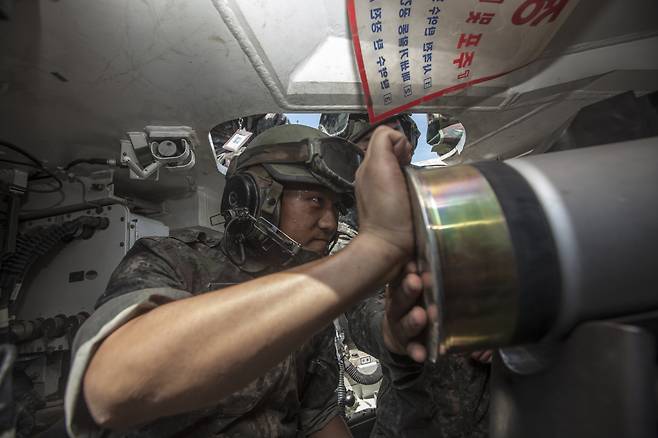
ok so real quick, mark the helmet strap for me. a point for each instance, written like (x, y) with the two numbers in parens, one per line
(272, 198)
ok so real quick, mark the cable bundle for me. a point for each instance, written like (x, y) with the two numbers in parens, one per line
(36, 242)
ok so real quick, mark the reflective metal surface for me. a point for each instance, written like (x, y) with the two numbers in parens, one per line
(466, 259)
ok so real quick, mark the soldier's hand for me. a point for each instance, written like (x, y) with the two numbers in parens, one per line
(382, 198)
(482, 356)
(404, 319)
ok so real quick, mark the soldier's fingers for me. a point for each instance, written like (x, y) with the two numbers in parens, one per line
(384, 138)
(412, 284)
(402, 150)
(403, 298)
(388, 292)
(417, 351)
(411, 268)
(411, 325)
(482, 356)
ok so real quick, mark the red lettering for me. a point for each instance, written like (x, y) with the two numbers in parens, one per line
(473, 17)
(536, 11)
(464, 75)
(480, 18)
(469, 40)
(486, 18)
(465, 59)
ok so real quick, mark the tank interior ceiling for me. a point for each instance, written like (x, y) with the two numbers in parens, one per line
(76, 76)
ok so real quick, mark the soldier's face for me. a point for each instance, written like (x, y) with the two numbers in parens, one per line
(309, 215)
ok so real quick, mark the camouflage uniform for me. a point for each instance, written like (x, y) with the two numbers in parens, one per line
(448, 399)
(295, 398)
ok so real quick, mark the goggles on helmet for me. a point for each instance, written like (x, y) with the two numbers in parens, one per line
(343, 125)
(331, 162)
(407, 125)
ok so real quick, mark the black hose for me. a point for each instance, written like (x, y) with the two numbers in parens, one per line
(341, 390)
(21, 151)
(20, 163)
(37, 164)
(359, 377)
(59, 187)
(101, 161)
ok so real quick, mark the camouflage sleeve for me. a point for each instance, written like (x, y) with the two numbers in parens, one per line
(319, 403)
(150, 263)
(365, 328)
(143, 280)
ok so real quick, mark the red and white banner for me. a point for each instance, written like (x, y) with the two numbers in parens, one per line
(412, 51)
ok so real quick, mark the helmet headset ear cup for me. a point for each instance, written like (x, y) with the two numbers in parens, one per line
(249, 195)
(241, 195)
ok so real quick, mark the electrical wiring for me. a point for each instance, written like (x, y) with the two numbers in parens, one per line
(44, 174)
(85, 202)
(59, 187)
(35, 243)
(98, 161)
(37, 164)
(20, 163)
(21, 151)
(38, 177)
(84, 194)
(75, 179)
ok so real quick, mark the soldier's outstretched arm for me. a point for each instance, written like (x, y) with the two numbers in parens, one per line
(188, 354)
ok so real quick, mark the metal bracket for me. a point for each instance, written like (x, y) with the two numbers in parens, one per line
(171, 147)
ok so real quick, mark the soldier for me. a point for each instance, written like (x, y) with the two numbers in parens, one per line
(447, 399)
(201, 335)
(356, 128)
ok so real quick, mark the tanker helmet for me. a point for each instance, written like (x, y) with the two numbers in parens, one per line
(251, 203)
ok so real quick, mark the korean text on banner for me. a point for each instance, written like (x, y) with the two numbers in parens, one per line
(412, 51)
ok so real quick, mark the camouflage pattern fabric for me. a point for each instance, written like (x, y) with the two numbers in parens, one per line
(295, 398)
(344, 235)
(448, 399)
